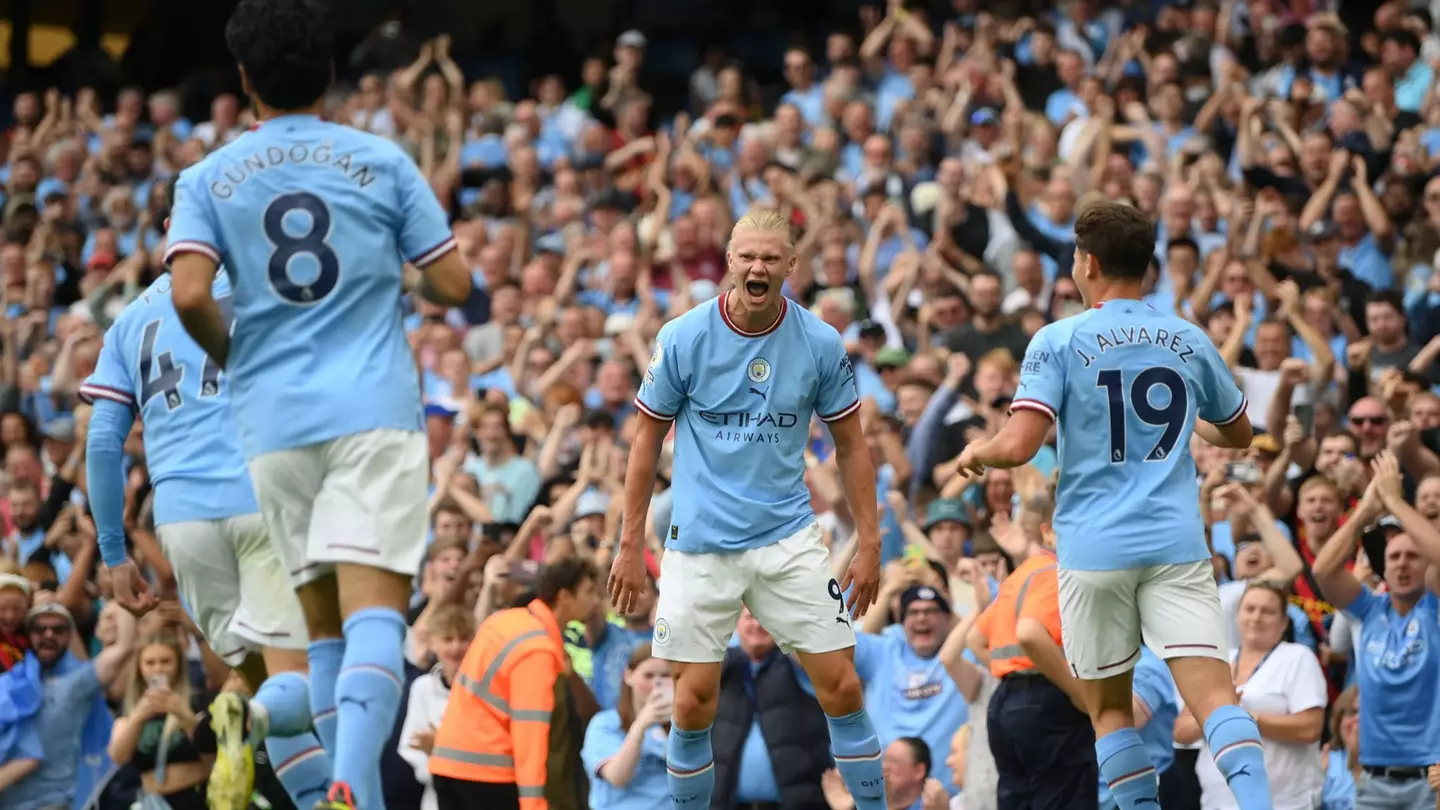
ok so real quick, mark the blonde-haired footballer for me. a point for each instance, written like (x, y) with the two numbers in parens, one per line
(741, 377)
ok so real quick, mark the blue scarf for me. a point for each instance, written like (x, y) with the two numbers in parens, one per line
(20, 698)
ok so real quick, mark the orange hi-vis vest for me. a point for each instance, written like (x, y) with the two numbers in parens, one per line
(1031, 591)
(496, 727)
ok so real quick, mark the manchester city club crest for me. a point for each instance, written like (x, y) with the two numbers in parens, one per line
(662, 631)
(758, 370)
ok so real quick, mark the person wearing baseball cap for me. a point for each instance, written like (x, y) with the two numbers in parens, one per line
(922, 593)
(73, 707)
(948, 528)
(913, 693)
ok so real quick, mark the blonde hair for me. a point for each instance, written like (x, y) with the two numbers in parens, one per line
(453, 620)
(1345, 704)
(179, 680)
(999, 359)
(1317, 482)
(765, 220)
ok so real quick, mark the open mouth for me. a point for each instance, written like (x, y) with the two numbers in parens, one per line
(757, 289)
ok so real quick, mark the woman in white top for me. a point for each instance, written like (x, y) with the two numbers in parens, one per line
(1282, 686)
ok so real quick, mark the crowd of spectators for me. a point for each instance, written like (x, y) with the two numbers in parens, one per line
(932, 161)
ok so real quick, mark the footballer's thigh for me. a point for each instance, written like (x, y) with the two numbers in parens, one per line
(207, 576)
(1180, 613)
(794, 595)
(371, 508)
(1099, 622)
(269, 612)
(1183, 623)
(286, 484)
(699, 606)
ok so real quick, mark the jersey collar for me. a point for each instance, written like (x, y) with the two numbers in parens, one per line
(1118, 301)
(293, 117)
(725, 316)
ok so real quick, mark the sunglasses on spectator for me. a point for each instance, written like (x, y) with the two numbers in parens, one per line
(50, 629)
(1369, 420)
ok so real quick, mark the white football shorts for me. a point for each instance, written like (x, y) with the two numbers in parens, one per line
(1106, 615)
(358, 499)
(231, 578)
(788, 586)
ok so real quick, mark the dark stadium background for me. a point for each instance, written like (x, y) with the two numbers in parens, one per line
(514, 40)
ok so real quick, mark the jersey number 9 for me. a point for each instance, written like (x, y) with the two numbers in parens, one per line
(310, 243)
(1170, 416)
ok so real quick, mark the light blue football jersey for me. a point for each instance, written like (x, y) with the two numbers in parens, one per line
(151, 364)
(312, 221)
(742, 404)
(1126, 384)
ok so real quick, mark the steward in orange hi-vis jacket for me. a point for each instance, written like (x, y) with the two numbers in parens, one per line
(510, 737)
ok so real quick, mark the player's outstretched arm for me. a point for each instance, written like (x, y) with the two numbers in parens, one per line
(1016, 443)
(1234, 435)
(627, 571)
(192, 276)
(857, 477)
(110, 423)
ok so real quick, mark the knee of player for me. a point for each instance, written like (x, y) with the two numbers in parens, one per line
(696, 699)
(1111, 701)
(838, 688)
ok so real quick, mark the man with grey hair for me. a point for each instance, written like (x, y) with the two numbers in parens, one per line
(164, 106)
(836, 306)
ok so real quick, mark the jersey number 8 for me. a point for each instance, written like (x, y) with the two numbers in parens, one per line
(311, 243)
(1170, 416)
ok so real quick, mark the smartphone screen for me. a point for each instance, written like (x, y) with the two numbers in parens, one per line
(1244, 472)
(158, 682)
(1305, 413)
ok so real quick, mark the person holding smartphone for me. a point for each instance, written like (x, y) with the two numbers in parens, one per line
(624, 750)
(163, 731)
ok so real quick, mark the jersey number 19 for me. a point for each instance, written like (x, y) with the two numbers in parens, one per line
(1170, 416)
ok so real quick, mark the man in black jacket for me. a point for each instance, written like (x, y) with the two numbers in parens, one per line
(770, 737)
